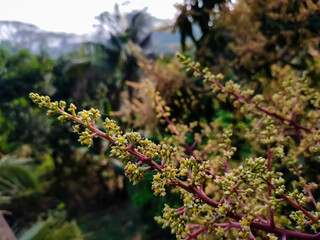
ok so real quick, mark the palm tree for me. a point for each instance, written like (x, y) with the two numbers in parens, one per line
(112, 61)
(16, 179)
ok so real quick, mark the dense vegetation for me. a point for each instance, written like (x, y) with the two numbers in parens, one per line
(230, 142)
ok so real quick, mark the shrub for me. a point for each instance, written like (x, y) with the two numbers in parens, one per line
(270, 193)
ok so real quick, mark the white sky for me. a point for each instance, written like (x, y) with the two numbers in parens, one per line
(77, 16)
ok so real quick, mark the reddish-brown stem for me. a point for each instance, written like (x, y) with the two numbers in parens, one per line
(190, 150)
(280, 232)
(88, 125)
(195, 234)
(170, 123)
(227, 162)
(299, 207)
(211, 173)
(279, 100)
(234, 188)
(275, 230)
(191, 225)
(251, 236)
(201, 194)
(240, 201)
(293, 115)
(199, 231)
(139, 163)
(271, 212)
(229, 225)
(306, 187)
(294, 203)
(227, 165)
(181, 210)
(175, 130)
(196, 141)
(262, 220)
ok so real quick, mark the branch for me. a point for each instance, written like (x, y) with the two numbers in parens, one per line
(249, 101)
(195, 234)
(306, 187)
(294, 203)
(175, 130)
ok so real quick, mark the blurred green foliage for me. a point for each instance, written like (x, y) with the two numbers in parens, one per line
(59, 169)
(53, 227)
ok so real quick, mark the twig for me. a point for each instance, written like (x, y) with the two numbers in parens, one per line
(249, 101)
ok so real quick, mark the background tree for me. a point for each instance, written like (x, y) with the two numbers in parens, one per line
(247, 37)
(111, 63)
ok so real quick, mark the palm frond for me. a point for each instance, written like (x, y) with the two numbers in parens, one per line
(52, 229)
(16, 176)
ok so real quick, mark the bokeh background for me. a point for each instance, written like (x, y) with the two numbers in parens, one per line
(99, 54)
